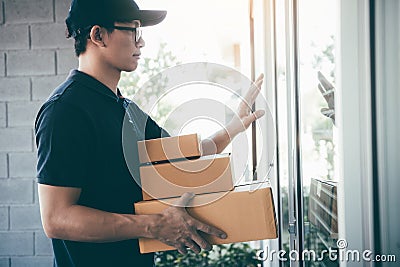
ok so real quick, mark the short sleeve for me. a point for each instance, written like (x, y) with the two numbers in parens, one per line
(64, 142)
(153, 130)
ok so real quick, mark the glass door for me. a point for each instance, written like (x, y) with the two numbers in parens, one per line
(306, 34)
(317, 20)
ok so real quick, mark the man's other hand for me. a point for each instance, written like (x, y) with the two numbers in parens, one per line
(180, 230)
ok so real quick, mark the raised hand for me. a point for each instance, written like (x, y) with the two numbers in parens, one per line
(245, 115)
(328, 92)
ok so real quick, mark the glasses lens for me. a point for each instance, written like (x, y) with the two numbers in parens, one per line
(138, 34)
(138, 31)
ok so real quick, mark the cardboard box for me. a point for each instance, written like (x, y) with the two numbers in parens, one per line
(163, 149)
(244, 215)
(323, 206)
(204, 175)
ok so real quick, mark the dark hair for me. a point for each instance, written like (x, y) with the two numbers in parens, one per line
(81, 39)
(83, 35)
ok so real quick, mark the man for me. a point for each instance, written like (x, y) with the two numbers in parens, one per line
(85, 188)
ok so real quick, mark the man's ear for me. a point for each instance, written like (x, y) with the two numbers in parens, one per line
(97, 34)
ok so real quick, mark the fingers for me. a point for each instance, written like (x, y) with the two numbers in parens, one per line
(208, 229)
(201, 242)
(192, 245)
(325, 83)
(184, 200)
(181, 249)
(259, 113)
(254, 90)
(252, 117)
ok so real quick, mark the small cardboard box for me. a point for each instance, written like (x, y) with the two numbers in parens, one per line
(243, 214)
(163, 149)
(203, 175)
(323, 206)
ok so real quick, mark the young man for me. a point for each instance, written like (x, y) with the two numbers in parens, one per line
(85, 188)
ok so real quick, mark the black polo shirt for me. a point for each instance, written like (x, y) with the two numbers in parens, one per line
(81, 138)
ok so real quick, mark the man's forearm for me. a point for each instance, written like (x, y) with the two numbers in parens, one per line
(80, 223)
(218, 142)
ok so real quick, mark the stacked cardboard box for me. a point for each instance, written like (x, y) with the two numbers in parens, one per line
(174, 166)
(244, 214)
(323, 206)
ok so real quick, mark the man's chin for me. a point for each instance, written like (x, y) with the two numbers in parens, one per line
(130, 69)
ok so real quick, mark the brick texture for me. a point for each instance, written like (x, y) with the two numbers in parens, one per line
(14, 89)
(3, 218)
(42, 244)
(3, 165)
(16, 244)
(14, 191)
(62, 7)
(3, 115)
(2, 64)
(1, 16)
(28, 11)
(66, 61)
(22, 165)
(25, 218)
(33, 48)
(50, 36)
(32, 261)
(4, 262)
(22, 113)
(14, 37)
(24, 63)
(15, 139)
(42, 87)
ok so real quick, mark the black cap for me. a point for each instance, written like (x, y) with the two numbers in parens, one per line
(86, 13)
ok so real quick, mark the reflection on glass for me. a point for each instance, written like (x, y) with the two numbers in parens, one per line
(317, 30)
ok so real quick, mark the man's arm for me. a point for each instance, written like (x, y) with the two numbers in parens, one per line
(62, 218)
(241, 121)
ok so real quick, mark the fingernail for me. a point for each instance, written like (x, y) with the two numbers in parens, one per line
(223, 236)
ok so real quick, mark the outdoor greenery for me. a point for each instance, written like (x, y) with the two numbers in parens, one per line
(233, 255)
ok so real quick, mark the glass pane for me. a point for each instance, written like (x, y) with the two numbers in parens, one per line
(282, 124)
(317, 22)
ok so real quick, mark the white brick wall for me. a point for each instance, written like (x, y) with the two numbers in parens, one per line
(43, 86)
(35, 57)
(14, 37)
(3, 115)
(3, 165)
(66, 61)
(29, 62)
(3, 218)
(42, 39)
(2, 64)
(14, 89)
(28, 11)
(22, 113)
(25, 218)
(22, 165)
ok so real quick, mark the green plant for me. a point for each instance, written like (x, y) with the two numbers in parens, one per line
(232, 255)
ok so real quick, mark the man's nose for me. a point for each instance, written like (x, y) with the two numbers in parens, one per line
(141, 43)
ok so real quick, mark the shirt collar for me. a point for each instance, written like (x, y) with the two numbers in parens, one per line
(94, 84)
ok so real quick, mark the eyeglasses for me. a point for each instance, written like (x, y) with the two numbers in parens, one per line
(137, 30)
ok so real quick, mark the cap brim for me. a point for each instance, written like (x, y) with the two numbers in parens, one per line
(151, 17)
